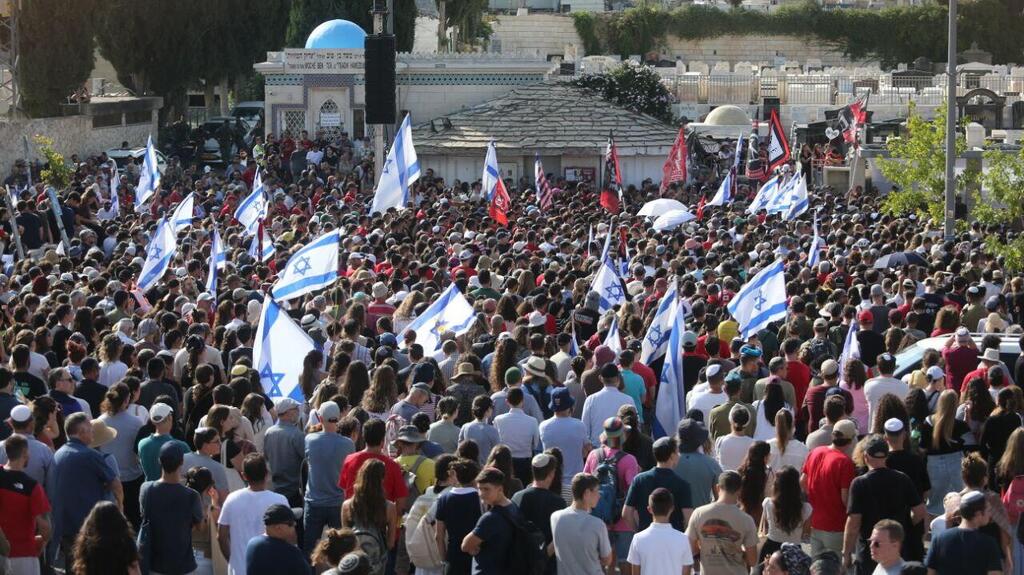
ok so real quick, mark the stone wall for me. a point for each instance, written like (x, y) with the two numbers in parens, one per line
(70, 135)
(546, 34)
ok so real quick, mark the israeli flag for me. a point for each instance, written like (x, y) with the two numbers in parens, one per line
(624, 264)
(313, 267)
(590, 238)
(761, 300)
(159, 253)
(149, 178)
(814, 253)
(656, 339)
(182, 216)
(724, 193)
(491, 174)
(609, 287)
(278, 352)
(671, 404)
(401, 170)
(851, 348)
(253, 208)
(798, 200)
(268, 247)
(451, 312)
(218, 258)
(764, 195)
(574, 346)
(612, 340)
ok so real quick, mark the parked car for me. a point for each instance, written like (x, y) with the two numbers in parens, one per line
(211, 150)
(122, 155)
(251, 112)
(910, 358)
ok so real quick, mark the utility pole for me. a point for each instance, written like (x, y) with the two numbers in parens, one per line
(380, 12)
(949, 212)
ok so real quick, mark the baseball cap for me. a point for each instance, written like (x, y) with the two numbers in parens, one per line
(875, 446)
(561, 399)
(876, 290)
(172, 454)
(750, 351)
(893, 425)
(159, 412)
(21, 413)
(689, 339)
(865, 317)
(845, 429)
(821, 323)
(286, 404)
(388, 340)
(278, 514)
(329, 411)
(829, 367)
(934, 373)
(613, 427)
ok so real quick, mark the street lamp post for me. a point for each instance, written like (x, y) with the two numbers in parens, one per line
(949, 213)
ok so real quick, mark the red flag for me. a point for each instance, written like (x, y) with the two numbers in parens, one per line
(613, 179)
(778, 145)
(500, 203)
(851, 117)
(674, 169)
(700, 207)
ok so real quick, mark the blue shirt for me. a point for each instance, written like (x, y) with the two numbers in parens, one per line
(265, 555)
(325, 454)
(485, 436)
(569, 435)
(81, 477)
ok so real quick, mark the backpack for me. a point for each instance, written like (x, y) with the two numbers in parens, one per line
(419, 533)
(1013, 499)
(392, 425)
(527, 554)
(609, 506)
(370, 542)
(820, 347)
(410, 478)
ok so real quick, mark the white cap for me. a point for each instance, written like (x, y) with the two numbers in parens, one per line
(536, 319)
(159, 412)
(935, 373)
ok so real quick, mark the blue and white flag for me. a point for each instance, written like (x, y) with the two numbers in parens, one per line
(851, 348)
(609, 287)
(159, 253)
(574, 345)
(218, 258)
(798, 200)
(590, 238)
(764, 194)
(606, 249)
(671, 405)
(182, 216)
(253, 208)
(624, 264)
(612, 340)
(313, 267)
(814, 252)
(401, 169)
(268, 247)
(761, 300)
(724, 193)
(149, 178)
(451, 312)
(280, 346)
(656, 339)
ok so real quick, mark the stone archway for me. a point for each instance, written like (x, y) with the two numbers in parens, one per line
(983, 106)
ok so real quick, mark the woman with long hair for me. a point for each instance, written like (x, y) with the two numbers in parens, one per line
(786, 449)
(506, 308)
(786, 515)
(254, 408)
(383, 393)
(340, 362)
(368, 509)
(311, 373)
(357, 381)
(916, 403)
(117, 417)
(996, 433)
(505, 352)
(942, 439)
(404, 314)
(766, 410)
(500, 458)
(231, 449)
(634, 441)
(198, 398)
(895, 340)
(889, 407)
(105, 545)
(112, 369)
(976, 405)
(854, 377)
(946, 321)
(335, 544)
(755, 473)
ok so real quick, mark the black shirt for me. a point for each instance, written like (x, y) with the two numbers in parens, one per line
(31, 234)
(959, 551)
(900, 497)
(872, 344)
(92, 392)
(171, 509)
(914, 467)
(265, 555)
(956, 443)
(645, 483)
(28, 385)
(537, 505)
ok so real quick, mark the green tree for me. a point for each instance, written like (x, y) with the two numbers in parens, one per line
(917, 167)
(1002, 204)
(57, 172)
(633, 86)
(56, 46)
(308, 14)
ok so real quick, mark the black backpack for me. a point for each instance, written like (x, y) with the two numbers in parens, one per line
(527, 555)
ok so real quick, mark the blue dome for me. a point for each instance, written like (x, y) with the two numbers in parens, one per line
(337, 35)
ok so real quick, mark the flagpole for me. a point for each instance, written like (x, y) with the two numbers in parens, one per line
(14, 224)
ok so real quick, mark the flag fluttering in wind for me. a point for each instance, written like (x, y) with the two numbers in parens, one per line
(218, 258)
(182, 216)
(671, 403)
(497, 196)
(149, 177)
(544, 194)
(278, 350)
(761, 300)
(778, 146)
(313, 267)
(451, 312)
(611, 194)
(401, 169)
(674, 169)
(814, 252)
(609, 287)
(656, 339)
(159, 253)
(852, 116)
(253, 208)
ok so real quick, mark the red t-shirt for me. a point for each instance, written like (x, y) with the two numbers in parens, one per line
(394, 481)
(799, 375)
(828, 472)
(21, 499)
(960, 361)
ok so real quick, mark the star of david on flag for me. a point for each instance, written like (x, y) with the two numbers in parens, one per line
(608, 287)
(761, 300)
(655, 341)
(451, 312)
(313, 267)
(278, 350)
(159, 254)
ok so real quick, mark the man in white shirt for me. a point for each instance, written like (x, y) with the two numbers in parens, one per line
(562, 359)
(885, 383)
(660, 548)
(241, 517)
(520, 433)
(712, 397)
(604, 404)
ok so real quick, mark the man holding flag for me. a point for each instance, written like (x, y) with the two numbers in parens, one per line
(611, 194)
(497, 196)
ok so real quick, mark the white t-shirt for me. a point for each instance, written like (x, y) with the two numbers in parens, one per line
(796, 454)
(875, 388)
(660, 549)
(243, 514)
(731, 449)
(706, 401)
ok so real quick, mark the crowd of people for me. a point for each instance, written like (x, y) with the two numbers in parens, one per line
(138, 436)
